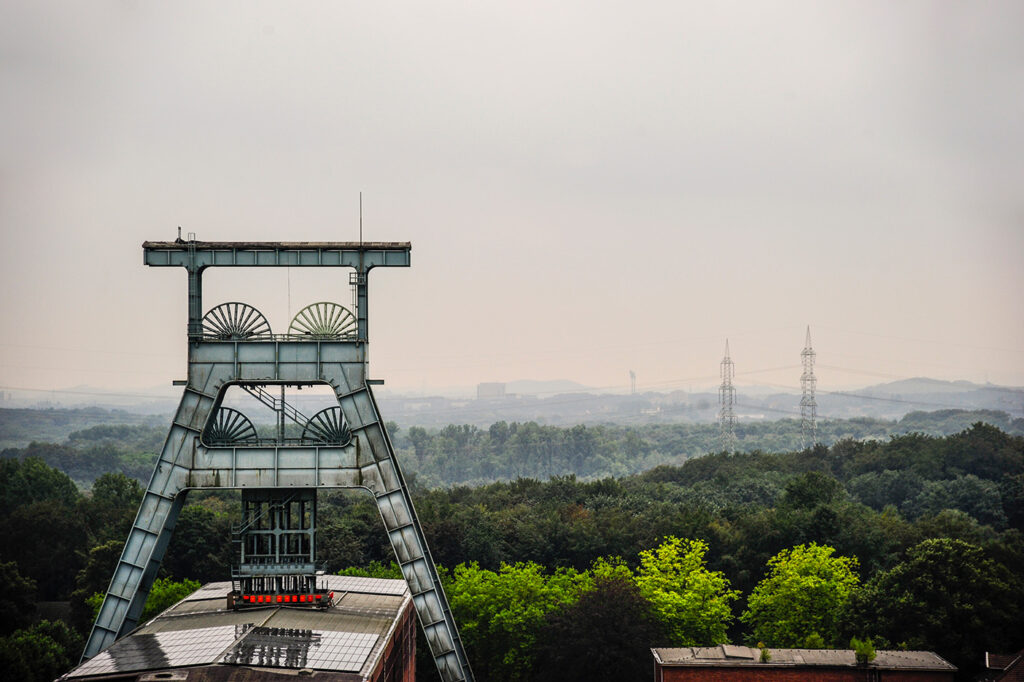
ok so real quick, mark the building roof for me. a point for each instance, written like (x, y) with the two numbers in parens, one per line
(1011, 665)
(347, 638)
(999, 661)
(730, 655)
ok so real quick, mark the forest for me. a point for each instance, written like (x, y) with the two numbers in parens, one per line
(465, 454)
(910, 540)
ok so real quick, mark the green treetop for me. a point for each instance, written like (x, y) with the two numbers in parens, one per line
(691, 600)
(499, 613)
(804, 593)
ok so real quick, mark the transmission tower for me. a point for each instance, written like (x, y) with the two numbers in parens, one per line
(808, 405)
(632, 382)
(727, 402)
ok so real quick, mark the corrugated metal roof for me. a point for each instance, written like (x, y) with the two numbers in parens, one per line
(200, 630)
(173, 619)
(210, 590)
(345, 583)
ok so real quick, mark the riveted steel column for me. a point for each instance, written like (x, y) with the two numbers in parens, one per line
(362, 318)
(195, 304)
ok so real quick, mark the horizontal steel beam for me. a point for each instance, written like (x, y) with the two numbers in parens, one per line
(342, 364)
(200, 255)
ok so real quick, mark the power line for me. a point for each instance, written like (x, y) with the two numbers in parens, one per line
(860, 396)
(88, 350)
(931, 341)
(92, 393)
(82, 369)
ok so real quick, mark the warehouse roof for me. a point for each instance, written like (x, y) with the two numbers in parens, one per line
(729, 655)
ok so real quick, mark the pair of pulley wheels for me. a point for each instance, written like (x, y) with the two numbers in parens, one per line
(230, 427)
(236, 321)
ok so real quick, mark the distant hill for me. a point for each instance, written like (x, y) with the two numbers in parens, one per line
(565, 403)
(154, 400)
(920, 385)
(897, 398)
(19, 427)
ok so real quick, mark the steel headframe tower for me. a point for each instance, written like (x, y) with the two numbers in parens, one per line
(214, 447)
(808, 405)
(727, 402)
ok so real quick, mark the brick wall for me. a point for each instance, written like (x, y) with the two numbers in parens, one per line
(754, 673)
(398, 659)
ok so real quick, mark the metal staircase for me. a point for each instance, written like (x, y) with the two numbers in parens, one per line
(278, 405)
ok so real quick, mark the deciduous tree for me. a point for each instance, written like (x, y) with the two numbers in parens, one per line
(499, 613)
(804, 592)
(946, 596)
(691, 600)
(166, 593)
(606, 635)
(39, 653)
(17, 598)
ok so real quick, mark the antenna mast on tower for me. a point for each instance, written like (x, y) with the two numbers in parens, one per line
(808, 405)
(727, 402)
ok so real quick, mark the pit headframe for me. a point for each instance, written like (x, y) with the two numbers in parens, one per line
(207, 447)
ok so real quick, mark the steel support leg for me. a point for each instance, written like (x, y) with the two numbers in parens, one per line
(408, 541)
(151, 533)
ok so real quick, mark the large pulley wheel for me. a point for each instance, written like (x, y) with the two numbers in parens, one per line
(233, 321)
(230, 427)
(327, 427)
(324, 320)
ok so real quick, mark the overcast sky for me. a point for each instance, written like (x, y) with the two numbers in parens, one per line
(589, 187)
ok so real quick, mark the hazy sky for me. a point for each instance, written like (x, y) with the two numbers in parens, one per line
(589, 187)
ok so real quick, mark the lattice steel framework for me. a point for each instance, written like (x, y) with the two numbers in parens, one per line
(345, 447)
(808, 405)
(727, 403)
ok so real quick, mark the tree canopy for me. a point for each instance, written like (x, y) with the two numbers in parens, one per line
(803, 594)
(605, 636)
(525, 555)
(693, 601)
(946, 595)
(500, 612)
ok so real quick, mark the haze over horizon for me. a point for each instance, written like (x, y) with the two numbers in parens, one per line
(905, 392)
(588, 189)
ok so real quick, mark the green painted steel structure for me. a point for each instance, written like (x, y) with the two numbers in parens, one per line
(216, 361)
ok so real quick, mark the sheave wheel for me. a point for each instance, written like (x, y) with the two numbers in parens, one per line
(324, 320)
(327, 427)
(230, 427)
(232, 321)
